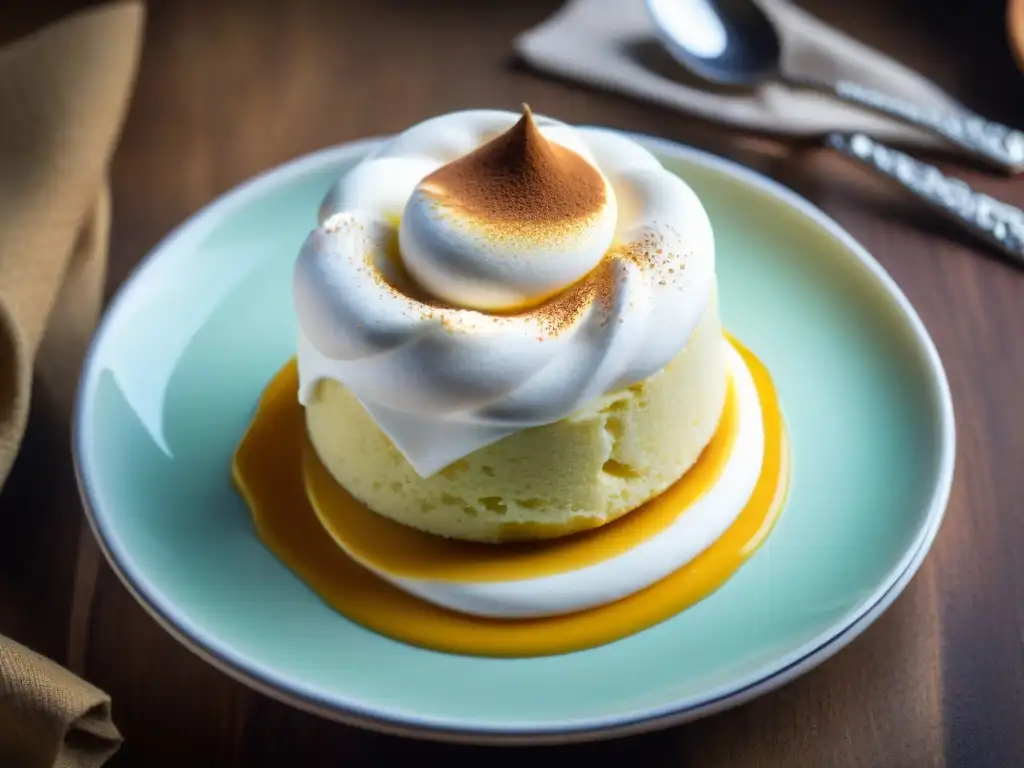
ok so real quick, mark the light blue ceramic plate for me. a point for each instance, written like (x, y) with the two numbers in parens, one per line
(192, 337)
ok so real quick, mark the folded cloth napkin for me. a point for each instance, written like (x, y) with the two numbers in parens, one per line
(63, 97)
(612, 44)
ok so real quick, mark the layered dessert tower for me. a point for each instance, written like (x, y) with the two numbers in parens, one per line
(509, 328)
(517, 399)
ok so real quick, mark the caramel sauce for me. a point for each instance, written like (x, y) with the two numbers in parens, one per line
(274, 466)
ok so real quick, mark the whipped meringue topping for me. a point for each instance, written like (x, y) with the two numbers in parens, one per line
(508, 225)
(417, 238)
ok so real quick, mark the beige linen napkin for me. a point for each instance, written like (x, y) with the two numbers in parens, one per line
(612, 44)
(63, 96)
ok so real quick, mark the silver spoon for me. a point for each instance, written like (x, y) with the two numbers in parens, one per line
(733, 42)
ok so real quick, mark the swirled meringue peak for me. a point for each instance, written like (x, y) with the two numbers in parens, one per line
(510, 224)
(486, 271)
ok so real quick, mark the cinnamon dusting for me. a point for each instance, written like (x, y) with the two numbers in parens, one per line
(520, 182)
(555, 315)
(565, 310)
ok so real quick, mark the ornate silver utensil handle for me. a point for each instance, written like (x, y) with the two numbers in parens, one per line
(994, 221)
(997, 145)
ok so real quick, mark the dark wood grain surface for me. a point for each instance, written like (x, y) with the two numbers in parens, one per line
(228, 89)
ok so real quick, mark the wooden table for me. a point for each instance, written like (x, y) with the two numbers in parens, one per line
(228, 89)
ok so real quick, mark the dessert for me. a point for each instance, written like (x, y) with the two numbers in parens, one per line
(517, 399)
(592, 320)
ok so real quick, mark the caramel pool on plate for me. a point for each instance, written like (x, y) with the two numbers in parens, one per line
(289, 493)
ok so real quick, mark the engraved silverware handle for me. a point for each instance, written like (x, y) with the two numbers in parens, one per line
(992, 143)
(994, 221)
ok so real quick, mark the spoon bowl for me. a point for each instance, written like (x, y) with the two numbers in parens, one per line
(729, 42)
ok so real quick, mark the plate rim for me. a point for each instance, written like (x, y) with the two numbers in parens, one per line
(256, 676)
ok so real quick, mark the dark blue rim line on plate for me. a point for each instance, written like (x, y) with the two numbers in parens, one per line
(248, 672)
